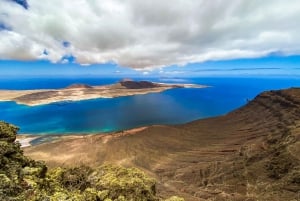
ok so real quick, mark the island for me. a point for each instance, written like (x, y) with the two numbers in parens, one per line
(78, 92)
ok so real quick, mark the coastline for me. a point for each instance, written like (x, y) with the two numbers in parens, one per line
(26, 140)
(84, 92)
(211, 150)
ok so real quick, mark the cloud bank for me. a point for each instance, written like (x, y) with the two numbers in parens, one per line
(147, 34)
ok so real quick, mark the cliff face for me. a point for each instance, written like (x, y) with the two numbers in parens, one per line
(252, 153)
(256, 152)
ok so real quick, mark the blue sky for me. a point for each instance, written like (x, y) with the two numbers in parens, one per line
(265, 66)
(149, 38)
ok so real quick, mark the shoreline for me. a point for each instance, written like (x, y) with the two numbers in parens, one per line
(26, 139)
(80, 92)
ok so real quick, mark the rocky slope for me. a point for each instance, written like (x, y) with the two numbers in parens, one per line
(22, 178)
(252, 153)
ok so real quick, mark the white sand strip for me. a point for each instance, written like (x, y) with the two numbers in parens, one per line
(25, 141)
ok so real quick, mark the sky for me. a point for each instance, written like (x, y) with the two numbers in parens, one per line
(175, 38)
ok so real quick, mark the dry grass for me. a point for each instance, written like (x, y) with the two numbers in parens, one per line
(223, 158)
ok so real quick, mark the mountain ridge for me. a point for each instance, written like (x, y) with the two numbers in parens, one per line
(251, 153)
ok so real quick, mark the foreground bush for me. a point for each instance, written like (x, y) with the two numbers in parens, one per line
(24, 179)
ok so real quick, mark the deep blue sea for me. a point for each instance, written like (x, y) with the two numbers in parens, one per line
(113, 114)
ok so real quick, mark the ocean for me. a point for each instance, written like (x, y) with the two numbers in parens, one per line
(175, 106)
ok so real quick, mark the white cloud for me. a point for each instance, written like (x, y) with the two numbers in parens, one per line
(149, 34)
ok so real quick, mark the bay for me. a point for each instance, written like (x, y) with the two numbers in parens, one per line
(174, 106)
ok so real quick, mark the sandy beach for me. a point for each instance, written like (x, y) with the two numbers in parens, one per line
(25, 140)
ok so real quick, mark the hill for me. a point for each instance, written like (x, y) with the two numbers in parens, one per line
(130, 84)
(79, 86)
(252, 153)
(22, 178)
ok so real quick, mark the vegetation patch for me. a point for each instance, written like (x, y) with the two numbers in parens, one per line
(24, 179)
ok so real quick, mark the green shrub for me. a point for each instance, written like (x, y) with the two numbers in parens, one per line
(129, 183)
(24, 179)
(8, 132)
(175, 198)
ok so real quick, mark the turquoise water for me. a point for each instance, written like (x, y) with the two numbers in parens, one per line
(106, 115)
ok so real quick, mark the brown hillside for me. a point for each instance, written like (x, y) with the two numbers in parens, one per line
(252, 153)
(79, 86)
(130, 84)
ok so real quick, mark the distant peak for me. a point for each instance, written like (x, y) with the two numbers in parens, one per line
(79, 86)
(130, 84)
(127, 80)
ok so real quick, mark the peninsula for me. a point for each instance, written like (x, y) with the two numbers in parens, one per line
(78, 92)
